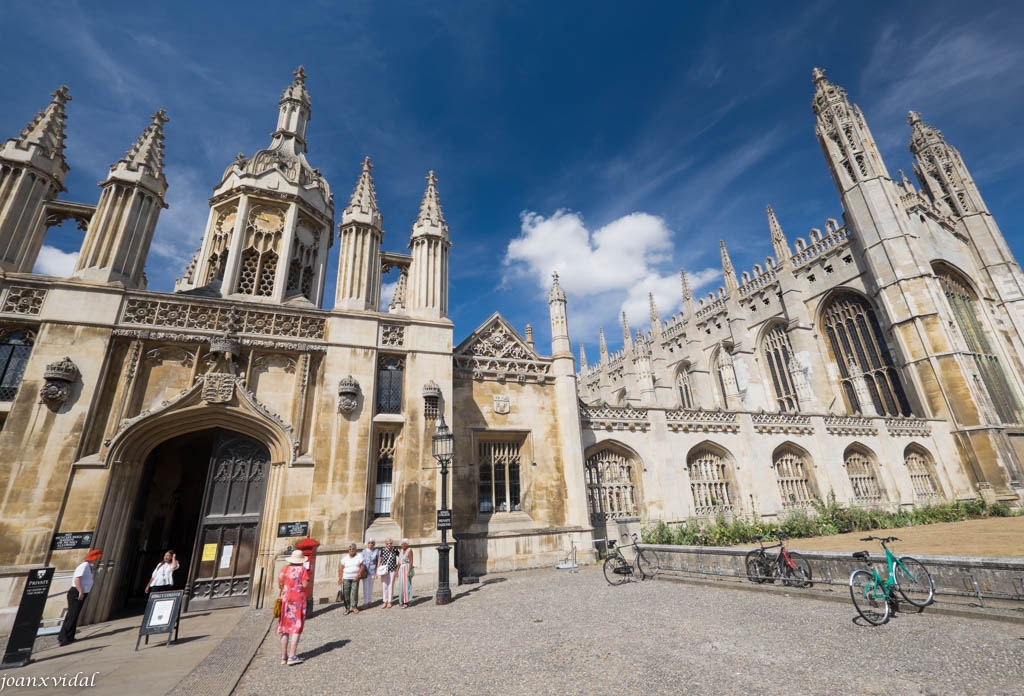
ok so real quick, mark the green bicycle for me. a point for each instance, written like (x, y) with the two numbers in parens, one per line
(873, 595)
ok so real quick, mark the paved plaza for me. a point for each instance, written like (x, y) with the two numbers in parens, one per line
(551, 632)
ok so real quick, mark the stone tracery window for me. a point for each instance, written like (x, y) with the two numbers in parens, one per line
(219, 245)
(384, 490)
(709, 482)
(863, 478)
(499, 471)
(301, 267)
(389, 384)
(855, 336)
(922, 473)
(258, 269)
(683, 387)
(611, 486)
(967, 312)
(778, 351)
(15, 348)
(793, 478)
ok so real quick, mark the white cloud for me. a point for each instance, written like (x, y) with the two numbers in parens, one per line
(604, 272)
(180, 228)
(54, 262)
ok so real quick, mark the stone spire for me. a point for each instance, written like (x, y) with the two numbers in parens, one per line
(941, 171)
(46, 133)
(583, 357)
(529, 335)
(844, 136)
(602, 344)
(561, 348)
(428, 272)
(362, 208)
(689, 306)
(655, 318)
(627, 337)
(779, 243)
(728, 272)
(556, 294)
(294, 112)
(117, 241)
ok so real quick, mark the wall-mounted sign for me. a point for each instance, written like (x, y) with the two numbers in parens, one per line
(209, 552)
(292, 529)
(26, 622)
(65, 541)
(444, 519)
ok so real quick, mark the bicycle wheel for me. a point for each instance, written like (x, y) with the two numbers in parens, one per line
(757, 568)
(616, 570)
(800, 574)
(915, 582)
(647, 562)
(865, 595)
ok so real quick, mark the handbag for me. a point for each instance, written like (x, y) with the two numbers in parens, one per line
(362, 572)
(382, 569)
(277, 608)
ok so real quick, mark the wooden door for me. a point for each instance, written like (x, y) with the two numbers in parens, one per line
(228, 536)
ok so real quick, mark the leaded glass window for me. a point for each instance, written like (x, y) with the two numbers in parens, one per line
(499, 470)
(709, 482)
(863, 478)
(611, 486)
(15, 347)
(791, 474)
(683, 387)
(922, 474)
(389, 384)
(778, 352)
(384, 489)
(855, 336)
(967, 312)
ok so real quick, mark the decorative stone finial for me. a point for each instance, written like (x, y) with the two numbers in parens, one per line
(818, 75)
(300, 75)
(348, 394)
(557, 294)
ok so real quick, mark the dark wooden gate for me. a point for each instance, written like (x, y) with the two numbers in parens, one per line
(228, 536)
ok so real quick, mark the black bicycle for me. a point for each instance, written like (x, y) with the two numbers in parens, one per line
(791, 567)
(618, 570)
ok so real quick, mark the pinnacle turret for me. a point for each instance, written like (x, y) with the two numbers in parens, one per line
(602, 345)
(689, 306)
(431, 219)
(583, 357)
(728, 272)
(941, 171)
(363, 205)
(779, 242)
(655, 317)
(294, 112)
(557, 294)
(45, 133)
(146, 156)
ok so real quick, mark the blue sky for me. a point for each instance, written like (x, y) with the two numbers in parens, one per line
(614, 142)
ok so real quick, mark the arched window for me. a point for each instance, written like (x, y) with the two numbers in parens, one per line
(683, 387)
(15, 347)
(499, 466)
(858, 349)
(709, 482)
(384, 491)
(389, 384)
(968, 311)
(791, 473)
(922, 474)
(777, 352)
(611, 486)
(861, 470)
(258, 267)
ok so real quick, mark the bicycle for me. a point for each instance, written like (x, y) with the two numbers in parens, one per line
(617, 570)
(873, 596)
(792, 568)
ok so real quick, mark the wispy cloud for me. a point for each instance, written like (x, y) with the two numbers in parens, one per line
(180, 228)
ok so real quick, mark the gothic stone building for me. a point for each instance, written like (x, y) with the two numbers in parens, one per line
(878, 361)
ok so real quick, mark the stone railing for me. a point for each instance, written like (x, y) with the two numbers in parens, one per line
(785, 423)
(615, 418)
(711, 309)
(850, 425)
(758, 282)
(830, 242)
(173, 314)
(908, 427)
(700, 421)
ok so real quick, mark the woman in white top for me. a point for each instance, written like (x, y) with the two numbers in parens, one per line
(349, 570)
(163, 577)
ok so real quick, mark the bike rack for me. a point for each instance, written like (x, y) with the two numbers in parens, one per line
(570, 563)
(977, 591)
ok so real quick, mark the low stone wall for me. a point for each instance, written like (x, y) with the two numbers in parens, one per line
(995, 578)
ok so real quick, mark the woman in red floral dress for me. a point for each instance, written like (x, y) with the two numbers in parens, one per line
(294, 583)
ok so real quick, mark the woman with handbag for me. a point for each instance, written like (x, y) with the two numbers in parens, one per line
(294, 585)
(370, 557)
(405, 573)
(350, 571)
(387, 564)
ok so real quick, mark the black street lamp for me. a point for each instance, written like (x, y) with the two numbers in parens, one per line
(443, 447)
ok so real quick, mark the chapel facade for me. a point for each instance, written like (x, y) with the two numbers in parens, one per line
(879, 362)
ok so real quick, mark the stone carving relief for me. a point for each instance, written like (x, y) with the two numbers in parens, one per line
(59, 377)
(191, 315)
(23, 300)
(502, 404)
(495, 352)
(218, 387)
(348, 394)
(392, 335)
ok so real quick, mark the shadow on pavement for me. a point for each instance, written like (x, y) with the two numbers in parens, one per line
(162, 642)
(325, 648)
(111, 632)
(66, 654)
(477, 588)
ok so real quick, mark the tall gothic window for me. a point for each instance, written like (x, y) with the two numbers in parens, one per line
(219, 246)
(260, 255)
(722, 363)
(922, 473)
(968, 311)
(855, 338)
(301, 268)
(389, 384)
(499, 467)
(384, 490)
(860, 468)
(709, 482)
(611, 486)
(778, 352)
(683, 387)
(15, 347)
(792, 477)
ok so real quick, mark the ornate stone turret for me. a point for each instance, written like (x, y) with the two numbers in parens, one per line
(689, 306)
(32, 172)
(428, 272)
(627, 337)
(270, 220)
(655, 317)
(583, 357)
(602, 344)
(117, 241)
(361, 232)
(849, 147)
(779, 243)
(560, 346)
(728, 272)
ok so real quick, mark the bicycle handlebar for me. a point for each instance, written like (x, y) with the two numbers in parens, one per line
(884, 540)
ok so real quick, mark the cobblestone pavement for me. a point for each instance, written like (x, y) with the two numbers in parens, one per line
(552, 632)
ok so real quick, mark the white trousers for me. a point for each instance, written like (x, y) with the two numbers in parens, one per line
(368, 589)
(387, 587)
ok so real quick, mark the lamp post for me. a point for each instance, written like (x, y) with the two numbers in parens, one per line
(442, 447)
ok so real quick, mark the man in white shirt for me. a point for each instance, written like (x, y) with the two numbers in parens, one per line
(81, 584)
